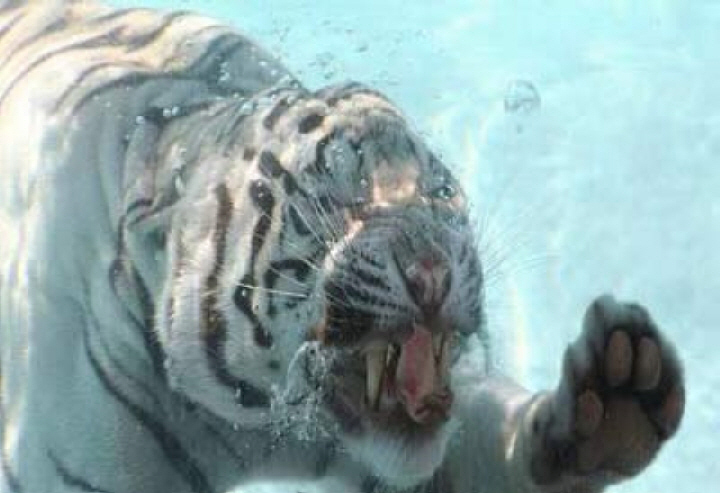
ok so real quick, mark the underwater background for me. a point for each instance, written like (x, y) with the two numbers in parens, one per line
(587, 133)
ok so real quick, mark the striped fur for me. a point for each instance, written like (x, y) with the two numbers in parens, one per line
(196, 254)
(185, 193)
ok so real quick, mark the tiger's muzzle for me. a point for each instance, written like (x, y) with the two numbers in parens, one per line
(385, 301)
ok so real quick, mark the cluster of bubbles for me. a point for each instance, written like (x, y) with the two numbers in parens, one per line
(298, 408)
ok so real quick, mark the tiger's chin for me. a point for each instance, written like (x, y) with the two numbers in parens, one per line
(393, 404)
(401, 460)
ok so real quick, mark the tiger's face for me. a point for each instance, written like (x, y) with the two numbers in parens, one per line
(353, 236)
(398, 285)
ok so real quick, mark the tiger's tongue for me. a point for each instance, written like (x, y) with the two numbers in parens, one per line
(416, 372)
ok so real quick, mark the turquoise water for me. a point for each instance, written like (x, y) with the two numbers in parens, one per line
(588, 134)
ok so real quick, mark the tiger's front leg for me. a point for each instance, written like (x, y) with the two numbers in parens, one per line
(620, 398)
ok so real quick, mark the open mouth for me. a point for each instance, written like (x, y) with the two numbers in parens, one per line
(412, 375)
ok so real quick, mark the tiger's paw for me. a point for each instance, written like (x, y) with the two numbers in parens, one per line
(621, 396)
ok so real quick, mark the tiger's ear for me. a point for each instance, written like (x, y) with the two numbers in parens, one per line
(154, 172)
(149, 196)
(149, 190)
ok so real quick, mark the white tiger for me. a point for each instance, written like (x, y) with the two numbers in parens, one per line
(210, 274)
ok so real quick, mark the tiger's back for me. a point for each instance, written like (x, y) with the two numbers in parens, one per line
(77, 80)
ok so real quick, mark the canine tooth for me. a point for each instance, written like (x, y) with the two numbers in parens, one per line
(390, 353)
(375, 362)
(444, 358)
(438, 344)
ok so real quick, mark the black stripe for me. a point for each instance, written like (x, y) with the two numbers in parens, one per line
(78, 82)
(12, 5)
(171, 446)
(300, 267)
(270, 166)
(160, 117)
(231, 136)
(300, 271)
(212, 72)
(473, 267)
(142, 40)
(290, 185)
(220, 435)
(249, 154)
(113, 16)
(369, 279)
(370, 259)
(299, 224)
(464, 250)
(357, 149)
(374, 111)
(326, 458)
(141, 203)
(276, 113)
(327, 204)
(215, 323)
(6, 28)
(115, 271)
(270, 278)
(310, 122)
(72, 480)
(45, 31)
(12, 481)
(147, 306)
(338, 90)
(197, 71)
(370, 484)
(242, 297)
(93, 42)
(359, 294)
(150, 337)
(320, 165)
(351, 92)
(120, 369)
(347, 325)
(263, 199)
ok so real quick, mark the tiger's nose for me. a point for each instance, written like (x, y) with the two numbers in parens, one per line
(428, 282)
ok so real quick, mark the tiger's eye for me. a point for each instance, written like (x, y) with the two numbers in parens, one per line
(444, 192)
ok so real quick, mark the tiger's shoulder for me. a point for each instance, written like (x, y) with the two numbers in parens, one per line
(76, 71)
(65, 52)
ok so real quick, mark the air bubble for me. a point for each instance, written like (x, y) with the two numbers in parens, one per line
(224, 72)
(521, 96)
(247, 107)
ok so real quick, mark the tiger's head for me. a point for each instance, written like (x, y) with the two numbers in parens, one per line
(322, 218)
